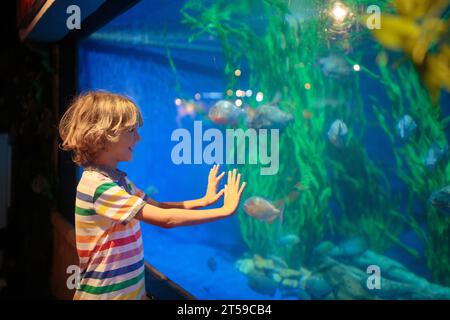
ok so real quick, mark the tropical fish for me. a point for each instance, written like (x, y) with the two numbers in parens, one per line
(441, 199)
(263, 209)
(338, 133)
(334, 65)
(225, 112)
(268, 116)
(406, 127)
(289, 239)
(435, 155)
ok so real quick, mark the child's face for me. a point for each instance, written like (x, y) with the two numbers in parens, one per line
(122, 150)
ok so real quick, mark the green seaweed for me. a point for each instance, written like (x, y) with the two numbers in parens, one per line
(282, 56)
(409, 96)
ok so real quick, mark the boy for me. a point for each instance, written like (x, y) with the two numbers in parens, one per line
(101, 129)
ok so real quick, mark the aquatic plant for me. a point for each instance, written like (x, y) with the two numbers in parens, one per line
(421, 35)
(279, 59)
(280, 55)
(407, 94)
(420, 29)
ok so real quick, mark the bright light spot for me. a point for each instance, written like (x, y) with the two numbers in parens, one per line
(238, 102)
(197, 96)
(229, 92)
(237, 73)
(307, 86)
(339, 12)
(259, 96)
(248, 93)
(240, 93)
(178, 101)
(356, 67)
(190, 108)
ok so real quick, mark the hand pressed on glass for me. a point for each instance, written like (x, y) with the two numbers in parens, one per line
(233, 192)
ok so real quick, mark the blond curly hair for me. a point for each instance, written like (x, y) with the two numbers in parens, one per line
(93, 120)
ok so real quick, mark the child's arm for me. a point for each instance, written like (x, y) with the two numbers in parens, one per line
(174, 217)
(209, 198)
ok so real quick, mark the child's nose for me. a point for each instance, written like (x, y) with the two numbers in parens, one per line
(137, 137)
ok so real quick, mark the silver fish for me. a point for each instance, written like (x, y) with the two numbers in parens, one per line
(263, 209)
(337, 134)
(334, 65)
(406, 127)
(225, 112)
(268, 116)
(435, 155)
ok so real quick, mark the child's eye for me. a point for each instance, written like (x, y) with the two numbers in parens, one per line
(131, 130)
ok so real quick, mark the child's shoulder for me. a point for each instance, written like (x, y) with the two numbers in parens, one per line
(91, 180)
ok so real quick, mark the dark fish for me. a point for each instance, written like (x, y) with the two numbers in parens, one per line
(441, 199)
(268, 116)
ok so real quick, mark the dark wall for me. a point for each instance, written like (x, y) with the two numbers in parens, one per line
(27, 114)
(38, 81)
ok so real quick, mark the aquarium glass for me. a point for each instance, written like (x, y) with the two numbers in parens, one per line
(346, 110)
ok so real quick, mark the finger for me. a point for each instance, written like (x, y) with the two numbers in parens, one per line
(221, 192)
(242, 188)
(221, 176)
(211, 171)
(234, 175)
(217, 167)
(238, 180)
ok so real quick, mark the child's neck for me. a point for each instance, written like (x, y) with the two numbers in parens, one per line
(107, 163)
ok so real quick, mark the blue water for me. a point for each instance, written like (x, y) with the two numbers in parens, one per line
(138, 66)
(144, 74)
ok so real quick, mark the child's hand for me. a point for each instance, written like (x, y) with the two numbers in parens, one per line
(211, 195)
(232, 192)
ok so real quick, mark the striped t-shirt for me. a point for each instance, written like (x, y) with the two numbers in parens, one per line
(109, 241)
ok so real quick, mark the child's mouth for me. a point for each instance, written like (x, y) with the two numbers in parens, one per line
(131, 149)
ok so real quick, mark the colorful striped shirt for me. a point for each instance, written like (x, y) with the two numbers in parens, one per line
(109, 241)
